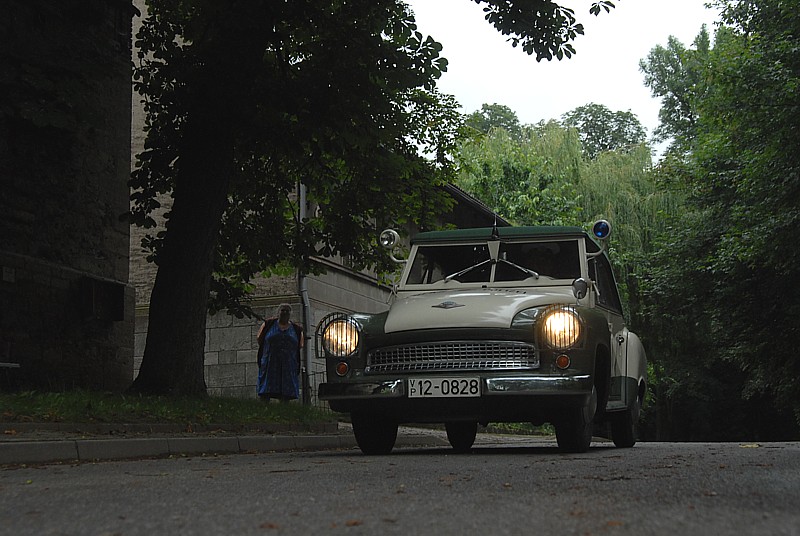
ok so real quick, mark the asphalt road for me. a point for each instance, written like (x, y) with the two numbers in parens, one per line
(519, 487)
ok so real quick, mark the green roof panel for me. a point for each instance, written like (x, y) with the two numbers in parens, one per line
(485, 233)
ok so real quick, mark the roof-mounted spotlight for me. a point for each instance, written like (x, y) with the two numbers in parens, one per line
(601, 230)
(389, 239)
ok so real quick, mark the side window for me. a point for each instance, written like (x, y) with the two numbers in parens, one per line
(600, 272)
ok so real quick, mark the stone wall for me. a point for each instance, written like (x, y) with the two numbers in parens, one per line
(231, 369)
(67, 310)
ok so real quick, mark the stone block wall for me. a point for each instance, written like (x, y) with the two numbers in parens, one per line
(231, 347)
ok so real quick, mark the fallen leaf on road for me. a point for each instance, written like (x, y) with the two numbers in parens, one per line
(750, 446)
(354, 523)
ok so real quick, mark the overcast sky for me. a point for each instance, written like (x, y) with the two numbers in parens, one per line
(484, 68)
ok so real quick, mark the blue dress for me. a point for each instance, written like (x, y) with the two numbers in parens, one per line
(278, 364)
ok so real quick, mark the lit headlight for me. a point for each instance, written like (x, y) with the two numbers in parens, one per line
(561, 328)
(340, 337)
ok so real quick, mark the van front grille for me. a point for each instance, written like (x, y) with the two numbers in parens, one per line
(453, 356)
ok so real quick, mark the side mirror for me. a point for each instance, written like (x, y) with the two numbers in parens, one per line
(580, 288)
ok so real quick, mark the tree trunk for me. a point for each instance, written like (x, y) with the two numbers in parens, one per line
(174, 351)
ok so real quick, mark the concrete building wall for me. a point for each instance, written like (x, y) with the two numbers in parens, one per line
(66, 313)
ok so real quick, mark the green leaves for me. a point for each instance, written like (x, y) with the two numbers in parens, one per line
(604, 5)
(540, 27)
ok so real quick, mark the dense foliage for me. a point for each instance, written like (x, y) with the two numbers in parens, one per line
(725, 315)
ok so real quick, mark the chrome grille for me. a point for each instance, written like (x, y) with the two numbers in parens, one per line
(453, 355)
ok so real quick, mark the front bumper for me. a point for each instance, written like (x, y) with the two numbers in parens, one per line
(503, 398)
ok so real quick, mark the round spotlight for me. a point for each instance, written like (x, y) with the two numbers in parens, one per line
(389, 238)
(601, 229)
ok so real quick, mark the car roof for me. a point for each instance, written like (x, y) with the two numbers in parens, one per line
(485, 233)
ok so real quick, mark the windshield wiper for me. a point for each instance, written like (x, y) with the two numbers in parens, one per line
(528, 271)
(465, 270)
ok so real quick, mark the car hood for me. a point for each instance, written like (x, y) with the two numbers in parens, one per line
(479, 308)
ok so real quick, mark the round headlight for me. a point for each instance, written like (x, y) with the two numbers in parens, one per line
(340, 338)
(561, 328)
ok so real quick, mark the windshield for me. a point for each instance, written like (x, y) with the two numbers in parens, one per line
(516, 261)
(433, 263)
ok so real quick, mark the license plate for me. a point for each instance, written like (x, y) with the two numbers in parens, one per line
(443, 387)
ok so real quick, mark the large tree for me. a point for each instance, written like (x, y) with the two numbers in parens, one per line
(678, 75)
(492, 116)
(602, 130)
(246, 100)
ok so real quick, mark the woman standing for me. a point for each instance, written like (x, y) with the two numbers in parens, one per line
(279, 343)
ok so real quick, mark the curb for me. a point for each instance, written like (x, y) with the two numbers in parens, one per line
(88, 450)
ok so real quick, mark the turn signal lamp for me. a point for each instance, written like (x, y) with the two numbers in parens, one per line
(562, 361)
(342, 368)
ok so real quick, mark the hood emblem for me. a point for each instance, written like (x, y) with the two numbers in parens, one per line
(448, 305)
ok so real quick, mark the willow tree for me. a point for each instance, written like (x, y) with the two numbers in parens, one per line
(527, 178)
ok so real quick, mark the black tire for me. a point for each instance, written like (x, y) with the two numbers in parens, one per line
(373, 435)
(461, 435)
(574, 432)
(623, 426)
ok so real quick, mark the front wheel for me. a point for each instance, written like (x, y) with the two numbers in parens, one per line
(574, 432)
(623, 426)
(461, 435)
(373, 435)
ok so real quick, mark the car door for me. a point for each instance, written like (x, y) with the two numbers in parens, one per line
(608, 301)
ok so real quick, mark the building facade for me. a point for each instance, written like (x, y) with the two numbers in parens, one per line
(66, 306)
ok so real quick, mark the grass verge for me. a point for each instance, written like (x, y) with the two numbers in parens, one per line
(101, 407)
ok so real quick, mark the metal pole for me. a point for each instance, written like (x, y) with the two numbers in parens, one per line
(302, 287)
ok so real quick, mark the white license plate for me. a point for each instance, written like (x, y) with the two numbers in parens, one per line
(443, 387)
